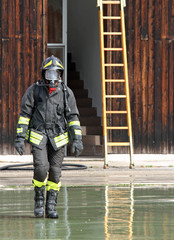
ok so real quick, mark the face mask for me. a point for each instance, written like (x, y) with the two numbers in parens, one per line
(52, 75)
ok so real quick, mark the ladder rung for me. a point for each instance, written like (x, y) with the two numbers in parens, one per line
(113, 49)
(117, 128)
(115, 96)
(114, 80)
(116, 112)
(111, 2)
(112, 18)
(118, 144)
(112, 33)
(113, 64)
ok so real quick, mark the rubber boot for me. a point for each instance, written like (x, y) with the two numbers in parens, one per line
(51, 204)
(39, 201)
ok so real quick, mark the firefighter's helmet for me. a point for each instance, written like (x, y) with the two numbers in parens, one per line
(52, 70)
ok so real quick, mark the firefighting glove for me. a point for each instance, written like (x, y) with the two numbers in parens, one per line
(20, 145)
(77, 147)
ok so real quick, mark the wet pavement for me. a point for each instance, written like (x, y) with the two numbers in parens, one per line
(95, 203)
(118, 174)
(106, 212)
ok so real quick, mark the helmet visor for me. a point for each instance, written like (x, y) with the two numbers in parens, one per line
(51, 75)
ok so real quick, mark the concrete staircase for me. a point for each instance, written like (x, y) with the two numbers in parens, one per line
(90, 122)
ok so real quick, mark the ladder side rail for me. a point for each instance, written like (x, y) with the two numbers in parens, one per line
(103, 84)
(126, 83)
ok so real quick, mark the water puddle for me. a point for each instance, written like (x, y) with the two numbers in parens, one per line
(91, 213)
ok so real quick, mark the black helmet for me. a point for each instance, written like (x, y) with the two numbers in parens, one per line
(52, 63)
(52, 71)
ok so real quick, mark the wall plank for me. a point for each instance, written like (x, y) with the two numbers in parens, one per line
(137, 78)
(144, 20)
(158, 95)
(164, 103)
(151, 84)
(5, 77)
(144, 75)
(39, 36)
(20, 33)
(171, 98)
(1, 75)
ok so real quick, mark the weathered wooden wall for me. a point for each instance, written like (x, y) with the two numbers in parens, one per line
(21, 45)
(150, 42)
(150, 45)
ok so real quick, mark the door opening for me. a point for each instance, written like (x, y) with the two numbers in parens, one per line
(57, 31)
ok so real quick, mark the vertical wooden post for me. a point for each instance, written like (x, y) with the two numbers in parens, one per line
(44, 22)
(103, 83)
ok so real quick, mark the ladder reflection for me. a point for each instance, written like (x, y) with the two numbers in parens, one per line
(119, 212)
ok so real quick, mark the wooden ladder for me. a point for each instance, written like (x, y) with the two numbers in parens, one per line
(104, 64)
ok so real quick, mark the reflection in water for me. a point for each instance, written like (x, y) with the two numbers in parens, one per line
(68, 232)
(131, 211)
(119, 211)
(91, 213)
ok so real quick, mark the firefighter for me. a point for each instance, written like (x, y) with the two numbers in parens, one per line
(48, 121)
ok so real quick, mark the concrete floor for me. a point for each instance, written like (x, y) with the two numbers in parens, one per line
(154, 171)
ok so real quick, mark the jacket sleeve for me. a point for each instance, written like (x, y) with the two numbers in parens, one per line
(72, 116)
(27, 106)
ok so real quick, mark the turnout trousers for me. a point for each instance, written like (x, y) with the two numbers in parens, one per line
(47, 163)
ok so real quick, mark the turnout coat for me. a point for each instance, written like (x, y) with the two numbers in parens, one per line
(49, 117)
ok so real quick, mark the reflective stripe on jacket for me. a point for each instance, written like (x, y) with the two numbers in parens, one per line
(43, 117)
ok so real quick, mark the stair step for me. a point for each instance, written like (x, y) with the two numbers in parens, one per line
(87, 111)
(71, 66)
(91, 140)
(73, 75)
(80, 93)
(90, 121)
(92, 150)
(84, 102)
(89, 150)
(92, 130)
(78, 84)
(69, 57)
